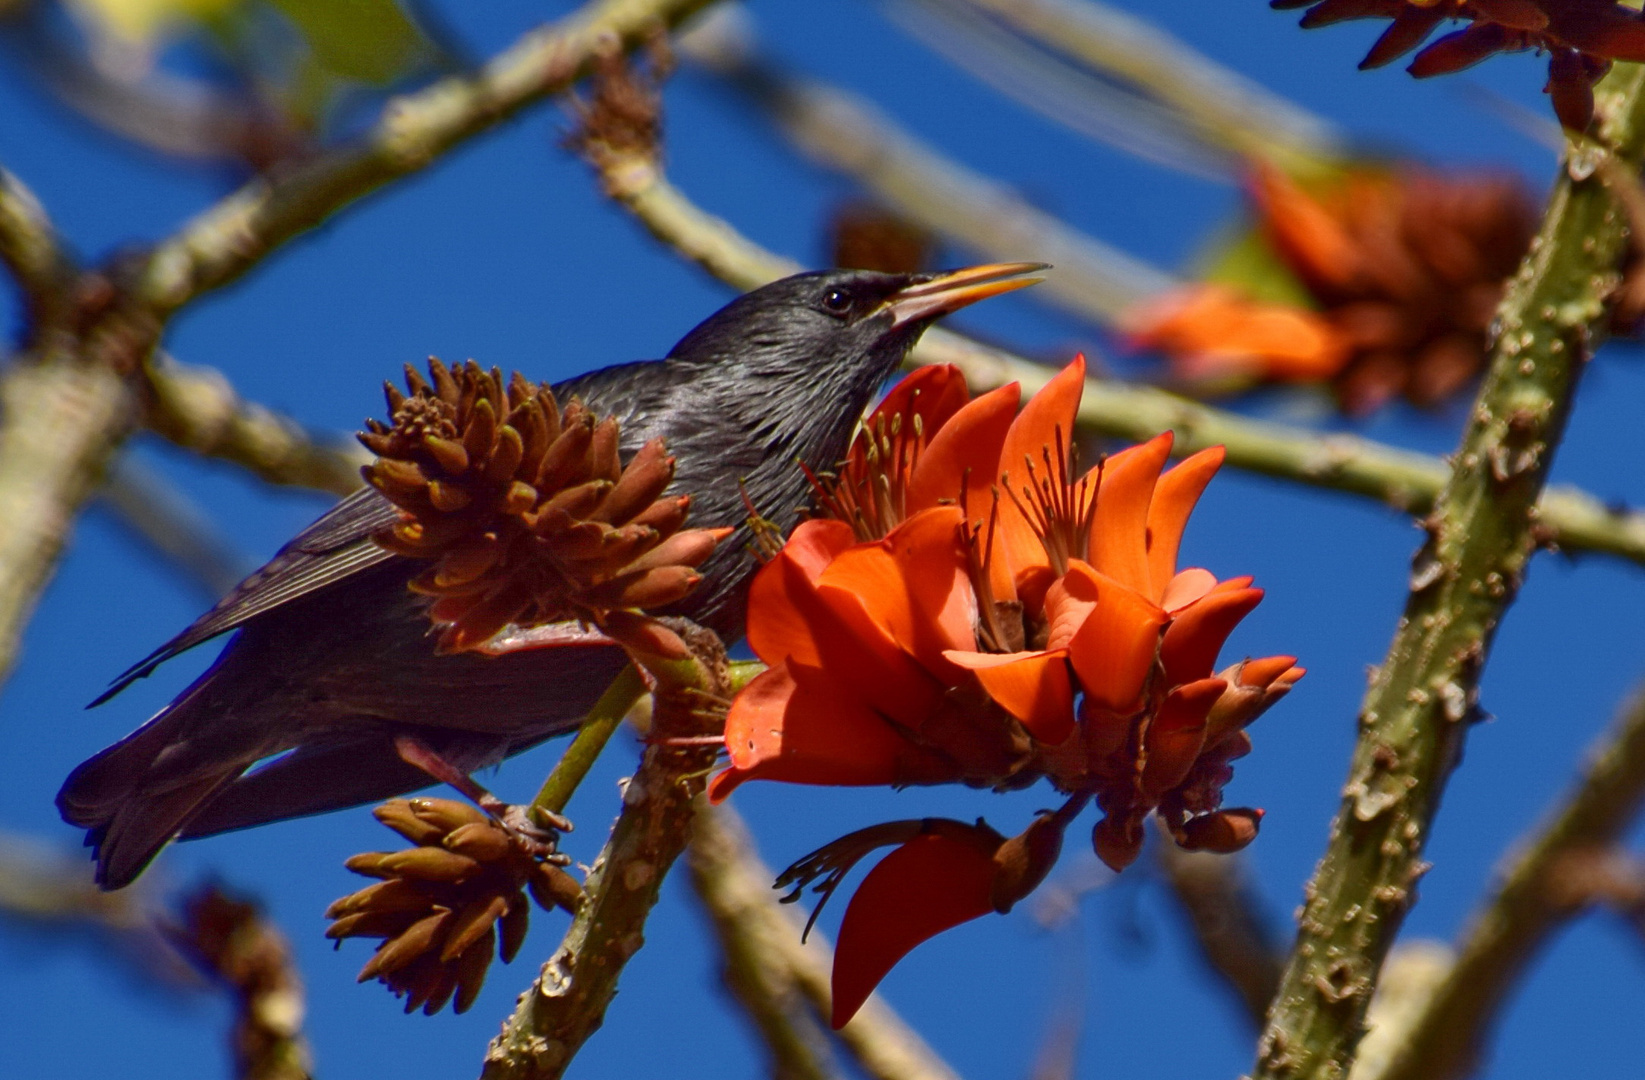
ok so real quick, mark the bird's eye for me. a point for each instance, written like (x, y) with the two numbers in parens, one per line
(836, 302)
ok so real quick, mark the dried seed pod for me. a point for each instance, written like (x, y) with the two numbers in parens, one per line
(527, 513)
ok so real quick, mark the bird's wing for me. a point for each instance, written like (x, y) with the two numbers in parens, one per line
(335, 547)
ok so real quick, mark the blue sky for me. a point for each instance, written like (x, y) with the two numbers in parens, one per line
(506, 253)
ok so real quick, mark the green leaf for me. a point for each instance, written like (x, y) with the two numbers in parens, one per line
(1240, 256)
(369, 41)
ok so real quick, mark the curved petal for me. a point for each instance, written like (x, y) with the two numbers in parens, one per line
(1032, 686)
(798, 724)
(1067, 608)
(961, 460)
(1187, 588)
(914, 585)
(1046, 421)
(784, 613)
(933, 393)
(930, 884)
(1176, 735)
(1192, 641)
(1114, 650)
(1119, 532)
(816, 543)
(1174, 498)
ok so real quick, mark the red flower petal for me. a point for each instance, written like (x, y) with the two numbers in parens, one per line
(1192, 641)
(914, 585)
(1046, 420)
(1176, 734)
(962, 459)
(1032, 686)
(930, 884)
(1115, 648)
(784, 612)
(933, 393)
(1119, 535)
(1188, 587)
(1175, 497)
(798, 724)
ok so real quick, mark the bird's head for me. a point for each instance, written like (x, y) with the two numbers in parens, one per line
(850, 325)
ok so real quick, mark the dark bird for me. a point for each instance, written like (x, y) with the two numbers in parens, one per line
(334, 658)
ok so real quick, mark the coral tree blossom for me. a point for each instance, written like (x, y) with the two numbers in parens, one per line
(1402, 269)
(973, 611)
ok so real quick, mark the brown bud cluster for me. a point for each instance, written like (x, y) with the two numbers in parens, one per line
(866, 236)
(447, 904)
(525, 509)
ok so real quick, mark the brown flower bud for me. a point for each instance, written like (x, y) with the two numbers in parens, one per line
(1224, 832)
(526, 513)
(442, 903)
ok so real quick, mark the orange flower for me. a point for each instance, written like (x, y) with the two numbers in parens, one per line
(1404, 271)
(1581, 38)
(1211, 330)
(936, 636)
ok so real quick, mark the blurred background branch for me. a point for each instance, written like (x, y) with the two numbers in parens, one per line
(198, 409)
(1531, 901)
(761, 943)
(846, 134)
(1114, 77)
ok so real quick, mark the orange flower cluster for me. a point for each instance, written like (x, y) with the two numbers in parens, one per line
(447, 904)
(975, 612)
(1405, 268)
(526, 511)
(1581, 38)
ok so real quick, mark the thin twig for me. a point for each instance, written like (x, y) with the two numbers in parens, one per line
(567, 1002)
(1215, 106)
(736, 900)
(31, 251)
(1507, 934)
(597, 728)
(843, 132)
(198, 409)
(1481, 537)
(163, 519)
(1567, 517)
(735, 889)
(1235, 938)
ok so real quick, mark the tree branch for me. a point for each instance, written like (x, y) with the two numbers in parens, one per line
(198, 409)
(63, 414)
(1235, 939)
(846, 134)
(1482, 535)
(1216, 107)
(1445, 1040)
(761, 942)
(1567, 517)
(31, 251)
(567, 1002)
(415, 130)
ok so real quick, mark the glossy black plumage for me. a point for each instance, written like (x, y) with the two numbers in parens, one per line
(334, 658)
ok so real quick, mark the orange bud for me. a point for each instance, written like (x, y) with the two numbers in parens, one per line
(1223, 832)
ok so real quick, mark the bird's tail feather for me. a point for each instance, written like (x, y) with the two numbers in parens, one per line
(130, 808)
